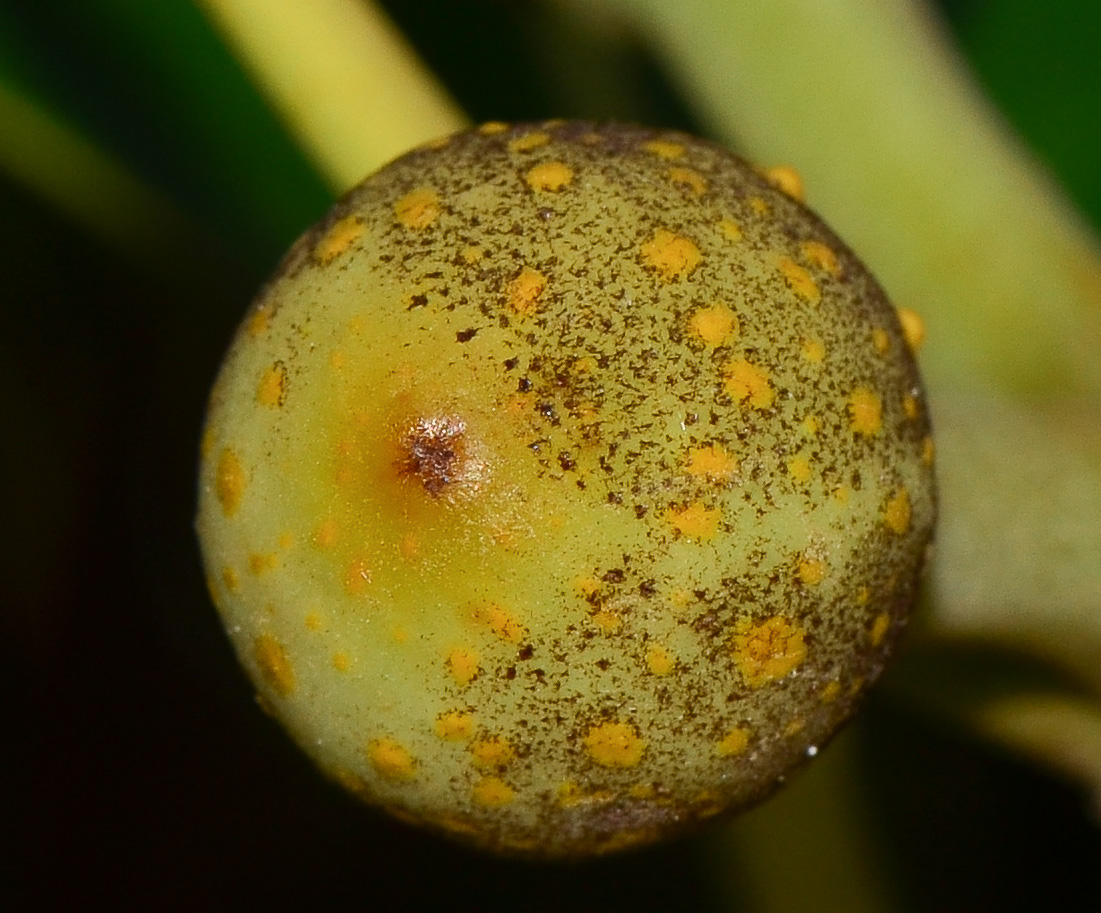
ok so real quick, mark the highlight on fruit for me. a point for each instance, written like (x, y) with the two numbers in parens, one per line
(567, 486)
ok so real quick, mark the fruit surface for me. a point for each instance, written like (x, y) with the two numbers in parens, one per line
(567, 486)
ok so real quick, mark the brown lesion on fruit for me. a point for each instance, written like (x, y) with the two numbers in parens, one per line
(435, 453)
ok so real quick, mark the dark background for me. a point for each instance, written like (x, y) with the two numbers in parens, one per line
(135, 767)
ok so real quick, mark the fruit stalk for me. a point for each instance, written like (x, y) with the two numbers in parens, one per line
(342, 78)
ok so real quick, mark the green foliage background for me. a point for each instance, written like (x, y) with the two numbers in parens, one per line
(135, 769)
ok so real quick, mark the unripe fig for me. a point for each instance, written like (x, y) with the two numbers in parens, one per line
(567, 486)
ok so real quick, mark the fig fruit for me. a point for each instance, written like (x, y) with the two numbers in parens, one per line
(567, 486)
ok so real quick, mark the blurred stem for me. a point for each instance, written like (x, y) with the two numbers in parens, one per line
(904, 157)
(1018, 552)
(86, 184)
(345, 82)
(811, 847)
(1059, 731)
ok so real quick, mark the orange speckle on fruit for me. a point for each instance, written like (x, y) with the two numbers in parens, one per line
(814, 351)
(259, 320)
(799, 280)
(758, 205)
(787, 180)
(262, 562)
(391, 760)
(799, 468)
(879, 628)
(881, 341)
(747, 382)
(928, 451)
(812, 571)
(463, 664)
(454, 726)
(733, 743)
(910, 407)
(821, 256)
(913, 327)
(614, 744)
(695, 521)
(341, 661)
(500, 621)
(492, 128)
(659, 660)
(230, 579)
(664, 149)
(275, 668)
(418, 209)
(472, 254)
(312, 621)
(549, 176)
(795, 727)
(523, 292)
(587, 587)
(492, 752)
(715, 325)
(271, 389)
(865, 411)
(730, 229)
(670, 255)
(326, 534)
(357, 576)
(229, 482)
(767, 650)
(342, 234)
(409, 547)
(399, 634)
(440, 142)
(831, 692)
(607, 622)
(492, 792)
(690, 180)
(286, 540)
(711, 462)
(896, 515)
(570, 794)
(528, 141)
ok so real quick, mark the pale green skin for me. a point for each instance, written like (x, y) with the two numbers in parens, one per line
(543, 534)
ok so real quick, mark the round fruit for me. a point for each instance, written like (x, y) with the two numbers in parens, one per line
(567, 486)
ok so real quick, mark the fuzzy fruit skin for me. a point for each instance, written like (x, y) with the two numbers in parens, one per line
(566, 485)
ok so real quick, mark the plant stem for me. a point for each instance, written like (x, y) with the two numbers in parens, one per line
(86, 184)
(1018, 552)
(345, 82)
(905, 158)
